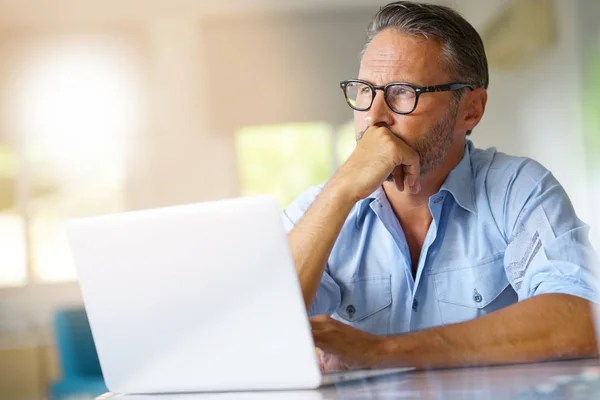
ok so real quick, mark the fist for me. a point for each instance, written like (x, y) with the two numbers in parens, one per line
(378, 155)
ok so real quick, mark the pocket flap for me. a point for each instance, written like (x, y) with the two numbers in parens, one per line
(476, 286)
(364, 296)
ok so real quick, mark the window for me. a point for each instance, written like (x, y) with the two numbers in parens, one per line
(76, 108)
(591, 104)
(345, 142)
(13, 268)
(285, 160)
(591, 123)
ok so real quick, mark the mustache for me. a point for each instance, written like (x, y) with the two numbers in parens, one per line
(362, 133)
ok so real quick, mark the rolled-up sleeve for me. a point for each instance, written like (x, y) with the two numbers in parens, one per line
(328, 296)
(548, 247)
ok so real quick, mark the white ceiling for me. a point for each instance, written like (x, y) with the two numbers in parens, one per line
(61, 12)
(82, 11)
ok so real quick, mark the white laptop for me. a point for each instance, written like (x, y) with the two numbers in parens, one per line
(197, 298)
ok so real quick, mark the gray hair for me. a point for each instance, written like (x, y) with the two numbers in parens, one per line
(462, 47)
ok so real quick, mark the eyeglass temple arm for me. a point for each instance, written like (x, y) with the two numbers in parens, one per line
(446, 88)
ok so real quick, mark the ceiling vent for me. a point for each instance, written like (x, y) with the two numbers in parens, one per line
(519, 32)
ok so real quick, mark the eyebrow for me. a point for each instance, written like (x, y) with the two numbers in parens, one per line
(402, 80)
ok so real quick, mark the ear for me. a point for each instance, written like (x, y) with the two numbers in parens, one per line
(473, 108)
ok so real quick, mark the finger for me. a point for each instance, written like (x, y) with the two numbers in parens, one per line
(333, 363)
(413, 179)
(413, 183)
(322, 338)
(398, 174)
(318, 341)
(321, 361)
(319, 335)
(319, 322)
(411, 164)
(320, 318)
(412, 171)
(315, 326)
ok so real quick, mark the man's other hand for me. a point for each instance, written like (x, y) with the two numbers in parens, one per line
(343, 347)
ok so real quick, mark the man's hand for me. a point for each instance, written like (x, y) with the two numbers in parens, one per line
(343, 347)
(330, 363)
(379, 154)
(542, 328)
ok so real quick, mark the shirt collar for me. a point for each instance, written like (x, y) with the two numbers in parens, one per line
(365, 203)
(460, 182)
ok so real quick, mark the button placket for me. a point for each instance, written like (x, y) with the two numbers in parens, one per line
(415, 305)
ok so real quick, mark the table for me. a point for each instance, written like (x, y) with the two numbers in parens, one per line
(484, 383)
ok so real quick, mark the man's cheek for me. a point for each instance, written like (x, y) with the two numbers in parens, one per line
(360, 125)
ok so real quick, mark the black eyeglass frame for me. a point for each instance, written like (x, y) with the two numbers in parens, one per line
(448, 87)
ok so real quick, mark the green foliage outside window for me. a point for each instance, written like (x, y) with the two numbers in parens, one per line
(8, 163)
(8, 174)
(283, 160)
(592, 112)
(346, 142)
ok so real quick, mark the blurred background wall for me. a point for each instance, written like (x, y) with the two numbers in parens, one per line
(121, 105)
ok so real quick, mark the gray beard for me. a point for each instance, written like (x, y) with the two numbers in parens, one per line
(433, 147)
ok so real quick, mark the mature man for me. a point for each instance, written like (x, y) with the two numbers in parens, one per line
(422, 250)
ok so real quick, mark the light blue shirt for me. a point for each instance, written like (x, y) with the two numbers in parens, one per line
(503, 230)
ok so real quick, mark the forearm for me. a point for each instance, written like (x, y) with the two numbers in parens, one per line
(312, 239)
(378, 153)
(538, 329)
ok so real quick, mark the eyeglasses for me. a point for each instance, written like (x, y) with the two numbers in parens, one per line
(401, 97)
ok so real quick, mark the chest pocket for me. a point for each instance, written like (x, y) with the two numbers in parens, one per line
(366, 304)
(473, 291)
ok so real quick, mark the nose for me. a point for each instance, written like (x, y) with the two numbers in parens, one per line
(379, 114)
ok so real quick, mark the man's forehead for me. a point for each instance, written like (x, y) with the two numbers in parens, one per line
(394, 40)
(392, 52)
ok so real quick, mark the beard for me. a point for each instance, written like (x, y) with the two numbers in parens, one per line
(433, 147)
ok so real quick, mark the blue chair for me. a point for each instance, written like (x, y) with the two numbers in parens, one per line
(81, 373)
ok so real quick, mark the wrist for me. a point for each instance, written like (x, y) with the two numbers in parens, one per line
(384, 350)
(386, 353)
(342, 191)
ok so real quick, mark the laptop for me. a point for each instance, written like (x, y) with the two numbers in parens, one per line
(197, 298)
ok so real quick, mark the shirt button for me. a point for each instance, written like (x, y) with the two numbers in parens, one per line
(415, 305)
(436, 201)
(350, 310)
(477, 297)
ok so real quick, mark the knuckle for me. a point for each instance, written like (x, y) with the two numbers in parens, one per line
(320, 318)
(389, 141)
(382, 132)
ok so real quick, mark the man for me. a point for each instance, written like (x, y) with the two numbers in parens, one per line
(422, 250)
